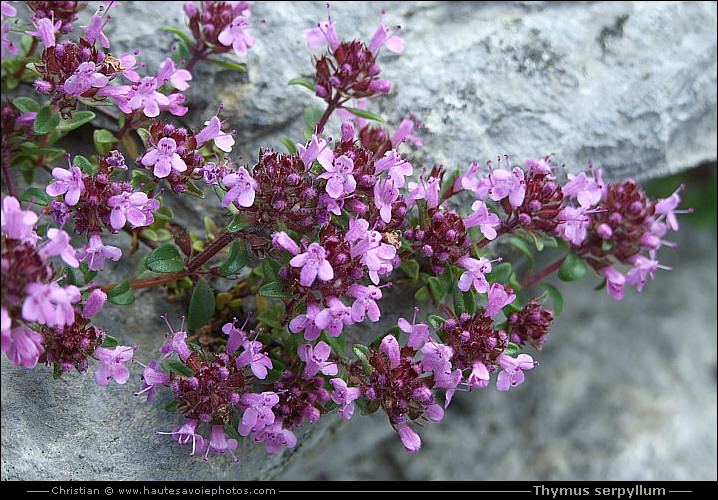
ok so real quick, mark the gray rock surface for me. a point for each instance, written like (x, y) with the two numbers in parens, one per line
(625, 390)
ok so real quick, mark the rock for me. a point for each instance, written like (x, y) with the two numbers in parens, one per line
(630, 86)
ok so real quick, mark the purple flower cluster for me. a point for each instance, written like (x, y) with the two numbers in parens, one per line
(42, 320)
(95, 203)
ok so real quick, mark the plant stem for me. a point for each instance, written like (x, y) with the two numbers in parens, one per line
(8, 180)
(531, 280)
(331, 107)
(192, 267)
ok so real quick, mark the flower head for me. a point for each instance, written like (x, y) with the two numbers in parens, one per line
(313, 264)
(242, 188)
(112, 364)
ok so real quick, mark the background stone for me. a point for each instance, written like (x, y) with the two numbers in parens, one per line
(625, 390)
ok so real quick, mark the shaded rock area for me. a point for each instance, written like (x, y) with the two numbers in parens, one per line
(624, 390)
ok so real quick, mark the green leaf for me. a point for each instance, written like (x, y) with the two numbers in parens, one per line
(437, 289)
(312, 117)
(201, 305)
(270, 317)
(270, 268)
(363, 354)
(193, 190)
(228, 64)
(435, 321)
(46, 121)
(110, 342)
(511, 349)
(239, 224)
(78, 119)
(304, 82)
(122, 294)
(104, 141)
(84, 164)
(395, 330)
(171, 406)
(183, 52)
(26, 104)
(289, 145)
(422, 294)
(236, 260)
(35, 195)
(338, 344)
(173, 365)
(573, 268)
(501, 273)
(275, 290)
(556, 298)
(364, 114)
(521, 245)
(165, 259)
(179, 33)
(411, 268)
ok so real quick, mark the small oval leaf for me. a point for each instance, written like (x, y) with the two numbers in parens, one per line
(201, 305)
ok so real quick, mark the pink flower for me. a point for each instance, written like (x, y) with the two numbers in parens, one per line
(385, 194)
(314, 264)
(133, 207)
(382, 37)
(474, 274)
(95, 253)
(512, 374)
(340, 181)
(213, 132)
(316, 150)
(390, 346)
(333, 318)
(50, 304)
(258, 412)
(112, 364)
(316, 359)
(587, 191)
(479, 376)
(151, 378)
(498, 299)
(147, 97)
(275, 436)
(505, 184)
(22, 346)
(573, 224)
(253, 357)
(164, 157)
(642, 268)
(178, 77)
(365, 302)
(237, 337)
(186, 433)
(306, 322)
(18, 224)
(67, 182)
(94, 30)
(94, 303)
(667, 207)
(397, 166)
(218, 443)
(428, 191)
(280, 239)
(377, 256)
(45, 29)
(484, 219)
(436, 356)
(403, 133)
(242, 188)
(58, 243)
(409, 438)
(418, 332)
(235, 34)
(83, 79)
(323, 34)
(614, 282)
(344, 396)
